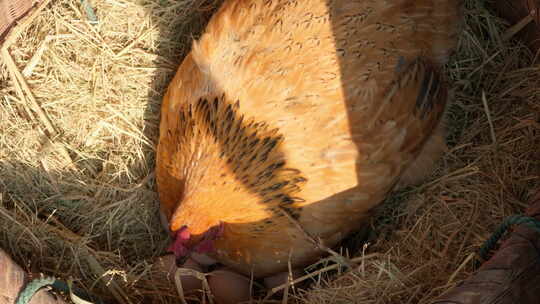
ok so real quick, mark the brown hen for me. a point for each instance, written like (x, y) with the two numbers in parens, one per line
(307, 109)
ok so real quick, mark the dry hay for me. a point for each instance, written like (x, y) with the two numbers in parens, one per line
(81, 202)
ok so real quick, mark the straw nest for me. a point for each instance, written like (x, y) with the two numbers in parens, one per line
(79, 114)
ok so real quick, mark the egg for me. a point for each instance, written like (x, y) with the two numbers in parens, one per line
(229, 287)
(281, 278)
(191, 283)
(166, 266)
(203, 259)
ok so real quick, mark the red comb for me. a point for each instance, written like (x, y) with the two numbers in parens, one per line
(183, 233)
(180, 237)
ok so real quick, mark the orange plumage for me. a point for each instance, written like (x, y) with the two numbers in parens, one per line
(315, 108)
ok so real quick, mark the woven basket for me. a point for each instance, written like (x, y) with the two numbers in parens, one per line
(11, 11)
(514, 11)
(511, 276)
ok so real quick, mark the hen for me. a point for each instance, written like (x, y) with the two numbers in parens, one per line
(299, 112)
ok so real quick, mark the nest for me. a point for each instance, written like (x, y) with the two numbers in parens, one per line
(79, 114)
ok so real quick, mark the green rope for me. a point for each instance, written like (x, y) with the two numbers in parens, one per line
(58, 285)
(90, 13)
(32, 288)
(490, 243)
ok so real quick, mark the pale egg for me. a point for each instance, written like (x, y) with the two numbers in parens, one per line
(229, 287)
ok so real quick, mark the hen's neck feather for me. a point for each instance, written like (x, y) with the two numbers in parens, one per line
(232, 167)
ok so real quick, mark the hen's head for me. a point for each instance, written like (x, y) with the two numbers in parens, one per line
(184, 243)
